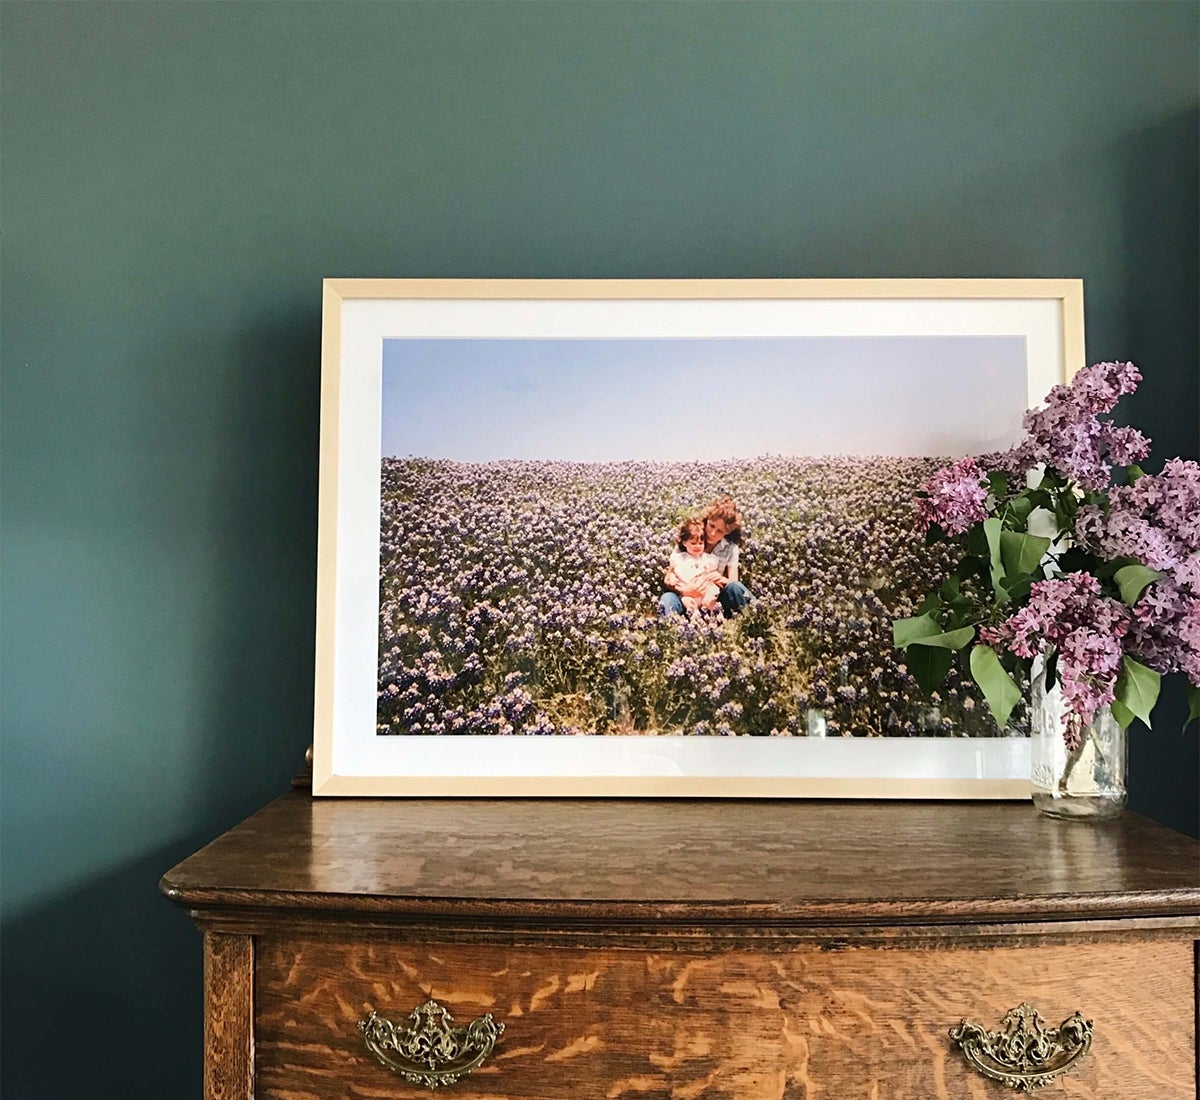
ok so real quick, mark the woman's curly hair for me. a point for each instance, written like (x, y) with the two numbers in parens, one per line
(724, 509)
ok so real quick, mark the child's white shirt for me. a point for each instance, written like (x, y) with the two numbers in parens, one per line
(688, 568)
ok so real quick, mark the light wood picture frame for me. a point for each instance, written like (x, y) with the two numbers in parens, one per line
(479, 441)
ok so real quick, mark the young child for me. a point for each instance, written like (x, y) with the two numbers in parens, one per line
(697, 570)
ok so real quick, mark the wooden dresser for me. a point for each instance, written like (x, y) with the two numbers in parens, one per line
(640, 950)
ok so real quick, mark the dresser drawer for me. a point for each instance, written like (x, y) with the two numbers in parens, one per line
(805, 1023)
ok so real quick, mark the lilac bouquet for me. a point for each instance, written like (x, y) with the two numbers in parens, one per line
(1100, 581)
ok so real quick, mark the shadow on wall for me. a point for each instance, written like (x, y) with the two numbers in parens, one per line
(260, 694)
(104, 991)
(1161, 239)
(102, 977)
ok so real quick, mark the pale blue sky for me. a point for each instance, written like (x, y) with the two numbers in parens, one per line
(700, 399)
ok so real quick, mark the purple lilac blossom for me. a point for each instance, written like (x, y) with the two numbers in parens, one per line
(1165, 634)
(1156, 521)
(1072, 616)
(1070, 432)
(954, 498)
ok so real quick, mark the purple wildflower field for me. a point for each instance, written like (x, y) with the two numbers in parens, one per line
(520, 597)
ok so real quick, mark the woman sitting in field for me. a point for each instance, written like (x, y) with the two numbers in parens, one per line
(722, 535)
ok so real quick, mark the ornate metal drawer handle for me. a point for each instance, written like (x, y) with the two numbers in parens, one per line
(428, 1050)
(1024, 1054)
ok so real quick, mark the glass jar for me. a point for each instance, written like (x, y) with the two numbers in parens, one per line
(1087, 782)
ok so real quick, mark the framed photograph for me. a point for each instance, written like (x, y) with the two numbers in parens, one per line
(647, 538)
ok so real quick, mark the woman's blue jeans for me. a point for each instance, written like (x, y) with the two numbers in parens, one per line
(733, 597)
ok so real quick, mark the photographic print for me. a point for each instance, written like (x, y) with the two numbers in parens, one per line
(661, 552)
(670, 536)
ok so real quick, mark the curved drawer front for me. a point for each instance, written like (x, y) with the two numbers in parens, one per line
(867, 1022)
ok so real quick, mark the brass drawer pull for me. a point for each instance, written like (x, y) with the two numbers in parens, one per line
(428, 1050)
(1025, 1054)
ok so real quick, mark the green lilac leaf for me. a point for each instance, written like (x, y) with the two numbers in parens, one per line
(991, 532)
(1132, 581)
(931, 606)
(1134, 473)
(1137, 688)
(961, 614)
(1122, 714)
(951, 639)
(1114, 566)
(996, 684)
(1020, 588)
(1022, 553)
(929, 666)
(907, 631)
(1019, 509)
(1193, 698)
(977, 544)
(997, 483)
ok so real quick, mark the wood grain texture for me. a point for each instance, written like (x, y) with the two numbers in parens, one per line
(228, 1017)
(805, 1025)
(764, 864)
(550, 289)
(692, 950)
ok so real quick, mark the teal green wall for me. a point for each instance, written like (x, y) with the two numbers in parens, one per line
(178, 178)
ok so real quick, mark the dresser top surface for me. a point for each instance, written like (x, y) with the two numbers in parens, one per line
(787, 861)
